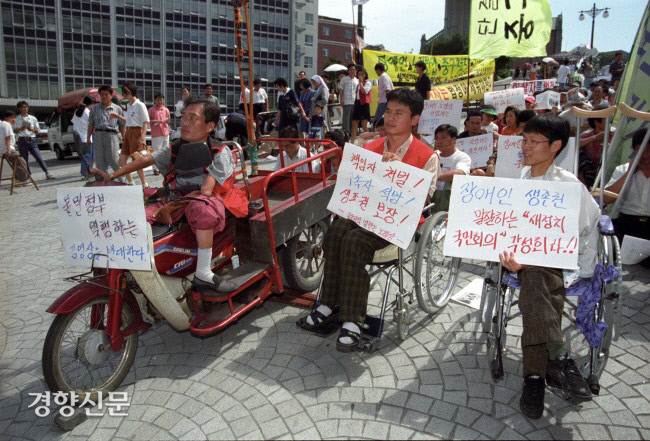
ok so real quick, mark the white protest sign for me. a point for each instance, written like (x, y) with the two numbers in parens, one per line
(530, 87)
(501, 99)
(479, 148)
(547, 100)
(536, 220)
(471, 294)
(104, 222)
(634, 250)
(385, 198)
(510, 158)
(438, 112)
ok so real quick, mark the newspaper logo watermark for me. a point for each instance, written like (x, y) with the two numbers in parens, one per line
(116, 402)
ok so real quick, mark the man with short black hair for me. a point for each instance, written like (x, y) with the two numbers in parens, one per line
(348, 90)
(384, 85)
(260, 98)
(103, 130)
(452, 162)
(26, 127)
(617, 67)
(208, 94)
(472, 124)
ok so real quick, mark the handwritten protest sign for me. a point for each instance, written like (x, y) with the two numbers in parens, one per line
(547, 100)
(438, 112)
(385, 198)
(513, 29)
(634, 250)
(104, 222)
(501, 99)
(530, 87)
(479, 148)
(536, 220)
(510, 158)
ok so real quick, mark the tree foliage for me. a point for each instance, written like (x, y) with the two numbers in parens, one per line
(455, 44)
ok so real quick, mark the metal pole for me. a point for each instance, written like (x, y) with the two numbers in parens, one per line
(360, 20)
(593, 23)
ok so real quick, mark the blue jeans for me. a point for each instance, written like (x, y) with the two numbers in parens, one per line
(379, 113)
(28, 145)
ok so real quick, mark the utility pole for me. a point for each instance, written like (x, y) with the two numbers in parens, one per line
(360, 21)
(593, 12)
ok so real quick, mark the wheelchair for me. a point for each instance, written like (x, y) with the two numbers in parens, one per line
(433, 274)
(597, 311)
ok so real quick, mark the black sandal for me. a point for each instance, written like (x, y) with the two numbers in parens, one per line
(348, 347)
(319, 319)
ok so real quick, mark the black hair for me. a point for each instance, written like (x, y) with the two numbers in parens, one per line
(132, 88)
(592, 121)
(340, 137)
(320, 104)
(512, 109)
(279, 81)
(637, 139)
(87, 101)
(105, 88)
(256, 81)
(552, 127)
(302, 72)
(8, 114)
(380, 67)
(207, 85)
(617, 53)
(19, 104)
(407, 97)
(421, 64)
(473, 112)
(80, 110)
(352, 65)
(158, 95)
(448, 129)
(525, 115)
(211, 111)
(305, 83)
(379, 122)
(361, 69)
(186, 88)
(288, 132)
(115, 100)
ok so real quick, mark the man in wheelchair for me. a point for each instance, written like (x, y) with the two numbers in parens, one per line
(209, 184)
(348, 248)
(541, 297)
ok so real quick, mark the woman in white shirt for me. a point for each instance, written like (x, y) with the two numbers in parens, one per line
(180, 105)
(80, 132)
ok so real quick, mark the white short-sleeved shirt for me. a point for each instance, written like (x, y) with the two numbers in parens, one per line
(302, 154)
(636, 200)
(349, 87)
(80, 124)
(260, 96)
(136, 114)
(385, 85)
(7, 131)
(29, 121)
(457, 160)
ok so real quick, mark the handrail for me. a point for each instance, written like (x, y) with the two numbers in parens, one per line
(633, 113)
(300, 140)
(603, 113)
(242, 161)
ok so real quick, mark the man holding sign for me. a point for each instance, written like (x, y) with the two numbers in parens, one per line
(349, 248)
(541, 298)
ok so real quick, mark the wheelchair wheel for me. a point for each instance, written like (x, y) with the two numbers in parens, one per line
(497, 338)
(435, 273)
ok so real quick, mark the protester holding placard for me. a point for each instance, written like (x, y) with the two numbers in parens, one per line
(522, 118)
(472, 124)
(452, 162)
(541, 298)
(511, 128)
(348, 248)
(488, 115)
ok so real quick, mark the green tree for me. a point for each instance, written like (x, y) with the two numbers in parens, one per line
(455, 44)
(329, 62)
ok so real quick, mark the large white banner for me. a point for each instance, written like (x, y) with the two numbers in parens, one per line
(479, 148)
(104, 223)
(510, 158)
(438, 112)
(385, 198)
(530, 87)
(536, 220)
(501, 99)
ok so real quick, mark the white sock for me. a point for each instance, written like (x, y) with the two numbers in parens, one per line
(203, 269)
(323, 309)
(350, 327)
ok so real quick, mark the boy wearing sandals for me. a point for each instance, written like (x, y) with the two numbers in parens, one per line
(541, 298)
(348, 248)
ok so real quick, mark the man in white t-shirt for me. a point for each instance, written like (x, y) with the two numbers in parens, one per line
(293, 152)
(348, 90)
(7, 132)
(452, 162)
(384, 85)
(563, 74)
(260, 98)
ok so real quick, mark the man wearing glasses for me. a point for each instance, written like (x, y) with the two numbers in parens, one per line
(106, 143)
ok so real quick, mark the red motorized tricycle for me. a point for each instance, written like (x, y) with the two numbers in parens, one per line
(92, 342)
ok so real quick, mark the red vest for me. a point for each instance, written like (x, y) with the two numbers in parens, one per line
(417, 154)
(364, 98)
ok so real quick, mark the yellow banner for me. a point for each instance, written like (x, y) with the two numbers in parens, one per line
(458, 89)
(440, 68)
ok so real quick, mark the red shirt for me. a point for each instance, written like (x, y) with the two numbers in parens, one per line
(159, 114)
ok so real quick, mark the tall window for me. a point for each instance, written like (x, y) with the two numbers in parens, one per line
(326, 31)
(309, 40)
(309, 62)
(348, 56)
(326, 52)
(309, 18)
(348, 34)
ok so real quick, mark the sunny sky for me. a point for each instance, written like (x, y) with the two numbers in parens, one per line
(400, 29)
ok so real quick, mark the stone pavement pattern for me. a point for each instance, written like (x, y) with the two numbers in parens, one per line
(263, 378)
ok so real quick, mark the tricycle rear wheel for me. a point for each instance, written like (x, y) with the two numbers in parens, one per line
(77, 354)
(302, 259)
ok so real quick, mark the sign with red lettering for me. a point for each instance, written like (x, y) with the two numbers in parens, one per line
(530, 87)
(501, 99)
(438, 112)
(479, 148)
(510, 158)
(536, 220)
(385, 198)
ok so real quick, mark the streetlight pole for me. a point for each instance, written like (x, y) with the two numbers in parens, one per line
(593, 12)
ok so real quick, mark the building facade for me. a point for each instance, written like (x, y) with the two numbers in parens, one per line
(54, 46)
(304, 36)
(335, 40)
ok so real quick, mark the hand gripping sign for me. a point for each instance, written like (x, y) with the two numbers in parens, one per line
(536, 220)
(438, 112)
(385, 198)
(104, 222)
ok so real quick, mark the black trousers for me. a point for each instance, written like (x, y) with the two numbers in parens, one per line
(25, 147)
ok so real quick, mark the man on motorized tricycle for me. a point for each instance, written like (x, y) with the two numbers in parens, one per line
(211, 190)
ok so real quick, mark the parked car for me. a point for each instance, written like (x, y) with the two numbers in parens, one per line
(41, 137)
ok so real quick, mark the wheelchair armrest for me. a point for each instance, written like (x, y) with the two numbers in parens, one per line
(605, 225)
(510, 280)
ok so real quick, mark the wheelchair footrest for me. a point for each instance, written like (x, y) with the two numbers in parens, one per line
(374, 326)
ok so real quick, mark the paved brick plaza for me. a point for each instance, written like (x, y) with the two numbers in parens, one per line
(263, 378)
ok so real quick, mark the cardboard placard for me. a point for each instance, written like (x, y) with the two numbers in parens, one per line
(438, 112)
(510, 158)
(479, 148)
(501, 99)
(547, 100)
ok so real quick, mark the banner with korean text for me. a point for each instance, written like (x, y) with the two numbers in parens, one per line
(479, 148)
(530, 87)
(438, 112)
(385, 198)
(457, 90)
(510, 158)
(501, 99)
(100, 223)
(512, 28)
(536, 220)
(400, 67)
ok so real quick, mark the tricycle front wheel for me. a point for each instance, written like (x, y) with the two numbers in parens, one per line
(302, 259)
(77, 354)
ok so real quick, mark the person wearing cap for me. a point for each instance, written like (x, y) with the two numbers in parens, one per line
(578, 100)
(488, 115)
(530, 103)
